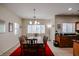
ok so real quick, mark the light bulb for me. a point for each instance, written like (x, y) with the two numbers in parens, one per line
(36, 22)
(30, 22)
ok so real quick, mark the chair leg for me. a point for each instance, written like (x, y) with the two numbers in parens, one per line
(21, 52)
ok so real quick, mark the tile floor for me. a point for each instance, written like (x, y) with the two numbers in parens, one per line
(60, 51)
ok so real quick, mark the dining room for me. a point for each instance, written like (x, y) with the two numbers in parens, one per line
(33, 41)
(33, 29)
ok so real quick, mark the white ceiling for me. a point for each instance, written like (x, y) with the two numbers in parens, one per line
(43, 10)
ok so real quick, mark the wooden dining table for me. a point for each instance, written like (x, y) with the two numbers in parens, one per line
(33, 49)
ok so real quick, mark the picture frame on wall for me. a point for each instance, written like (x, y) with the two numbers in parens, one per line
(77, 25)
(10, 27)
(58, 26)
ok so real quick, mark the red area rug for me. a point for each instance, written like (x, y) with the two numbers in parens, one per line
(48, 51)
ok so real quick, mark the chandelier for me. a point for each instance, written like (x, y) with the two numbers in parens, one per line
(34, 17)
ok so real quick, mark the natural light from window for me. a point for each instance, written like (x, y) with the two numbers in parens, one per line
(2, 27)
(68, 27)
(36, 29)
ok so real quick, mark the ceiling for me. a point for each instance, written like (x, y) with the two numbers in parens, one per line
(43, 10)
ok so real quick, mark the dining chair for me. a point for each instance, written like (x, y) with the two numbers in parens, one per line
(28, 41)
(22, 40)
(34, 41)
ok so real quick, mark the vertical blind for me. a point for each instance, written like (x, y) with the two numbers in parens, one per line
(68, 27)
(36, 29)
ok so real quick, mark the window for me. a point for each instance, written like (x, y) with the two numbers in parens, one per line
(68, 27)
(16, 28)
(2, 26)
(36, 28)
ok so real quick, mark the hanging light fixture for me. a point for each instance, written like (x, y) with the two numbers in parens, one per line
(34, 17)
(30, 22)
(35, 21)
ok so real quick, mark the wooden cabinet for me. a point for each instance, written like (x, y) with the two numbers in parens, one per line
(75, 48)
(64, 40)
(57, 38)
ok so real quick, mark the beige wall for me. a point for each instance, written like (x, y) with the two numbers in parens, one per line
(8, 39)
(25, 23)
(65, 19)
(52, 31)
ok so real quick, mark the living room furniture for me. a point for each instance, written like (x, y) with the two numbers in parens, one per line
(65, 40)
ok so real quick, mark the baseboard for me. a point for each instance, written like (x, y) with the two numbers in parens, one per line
(9, 51)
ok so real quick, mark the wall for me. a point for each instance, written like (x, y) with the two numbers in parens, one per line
(25, 23)
(65, 19)
(8, 39)
(52, 31)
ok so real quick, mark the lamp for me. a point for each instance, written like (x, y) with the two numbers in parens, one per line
(34, 17)
(49, 25)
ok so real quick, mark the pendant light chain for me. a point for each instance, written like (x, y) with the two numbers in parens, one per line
(34, 18)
